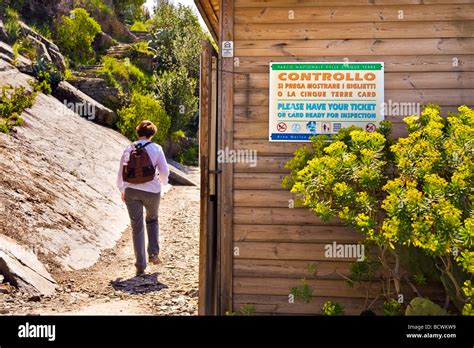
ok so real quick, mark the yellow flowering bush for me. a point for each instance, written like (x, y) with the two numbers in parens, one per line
(415, 192)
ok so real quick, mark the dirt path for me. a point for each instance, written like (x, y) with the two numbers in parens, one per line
(110, 287)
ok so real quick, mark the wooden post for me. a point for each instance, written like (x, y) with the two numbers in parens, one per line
(226, 115)
(205, 300)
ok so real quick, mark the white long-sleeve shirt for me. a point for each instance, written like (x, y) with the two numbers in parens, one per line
(157, 157)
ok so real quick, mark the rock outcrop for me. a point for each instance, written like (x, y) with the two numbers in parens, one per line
(97, 88)
(22, 64)
(21, 268)
(102, 42)
(84, 105)
(58, 189)
(48, 49)
(178, 174)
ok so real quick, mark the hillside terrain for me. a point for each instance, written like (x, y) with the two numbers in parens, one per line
(75, 80)
(60, 204)
(58, 182)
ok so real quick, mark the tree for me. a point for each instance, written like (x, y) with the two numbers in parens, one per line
(176, 91)
(177, 38)
(75, 35)
(143, 107)
(130, 10)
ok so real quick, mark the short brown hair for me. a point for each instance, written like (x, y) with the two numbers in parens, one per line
(146, 129)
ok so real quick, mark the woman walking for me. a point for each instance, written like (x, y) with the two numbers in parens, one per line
(142, 174)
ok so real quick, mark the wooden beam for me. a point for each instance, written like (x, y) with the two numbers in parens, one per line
(209, 16)
(295, 234)
(226, 114)
(296, 269)
(265, 164)
(354, 47)
(278, 216)
(351, 3)
(258, 181)
(279, 305)
(344, 31)
(204, 302)
(327, 288)
(355, 14)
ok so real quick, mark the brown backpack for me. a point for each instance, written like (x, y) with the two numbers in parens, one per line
(139, 168)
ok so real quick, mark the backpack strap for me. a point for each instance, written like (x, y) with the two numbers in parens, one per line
(140, 146)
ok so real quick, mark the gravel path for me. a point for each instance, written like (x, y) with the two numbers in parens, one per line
(110, 287)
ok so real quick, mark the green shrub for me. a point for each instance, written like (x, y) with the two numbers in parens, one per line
(13, 101)
(303, 293)
(332, 308)
(123, 75)
(43, 29)
(140, 47)
(189, 156)
(106, 17)
(75, 35)
(68, 75)
(96, 8)
(48, 75)
(16, 53)
(468, 291)
(143, 107)
(25, 47)
(139, 26)
(177, 136)
(176, 91)
(415, 192)
(392, 307)
(43, 87)
(246, 310)
(12, 24)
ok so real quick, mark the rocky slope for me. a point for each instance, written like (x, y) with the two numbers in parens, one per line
(110, 286)
(57, 184)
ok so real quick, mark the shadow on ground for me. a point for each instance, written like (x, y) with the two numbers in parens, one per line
(138, 285)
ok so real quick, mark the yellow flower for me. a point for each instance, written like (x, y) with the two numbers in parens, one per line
(414, 197)
(362, 220)
(435, 181)
(341, 189)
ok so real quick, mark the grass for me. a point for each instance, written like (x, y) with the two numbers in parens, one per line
(140, 47)
(122, 75)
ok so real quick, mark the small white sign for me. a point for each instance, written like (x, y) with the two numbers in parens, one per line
(227, 49)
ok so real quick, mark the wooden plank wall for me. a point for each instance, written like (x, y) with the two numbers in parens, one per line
(429, 57)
